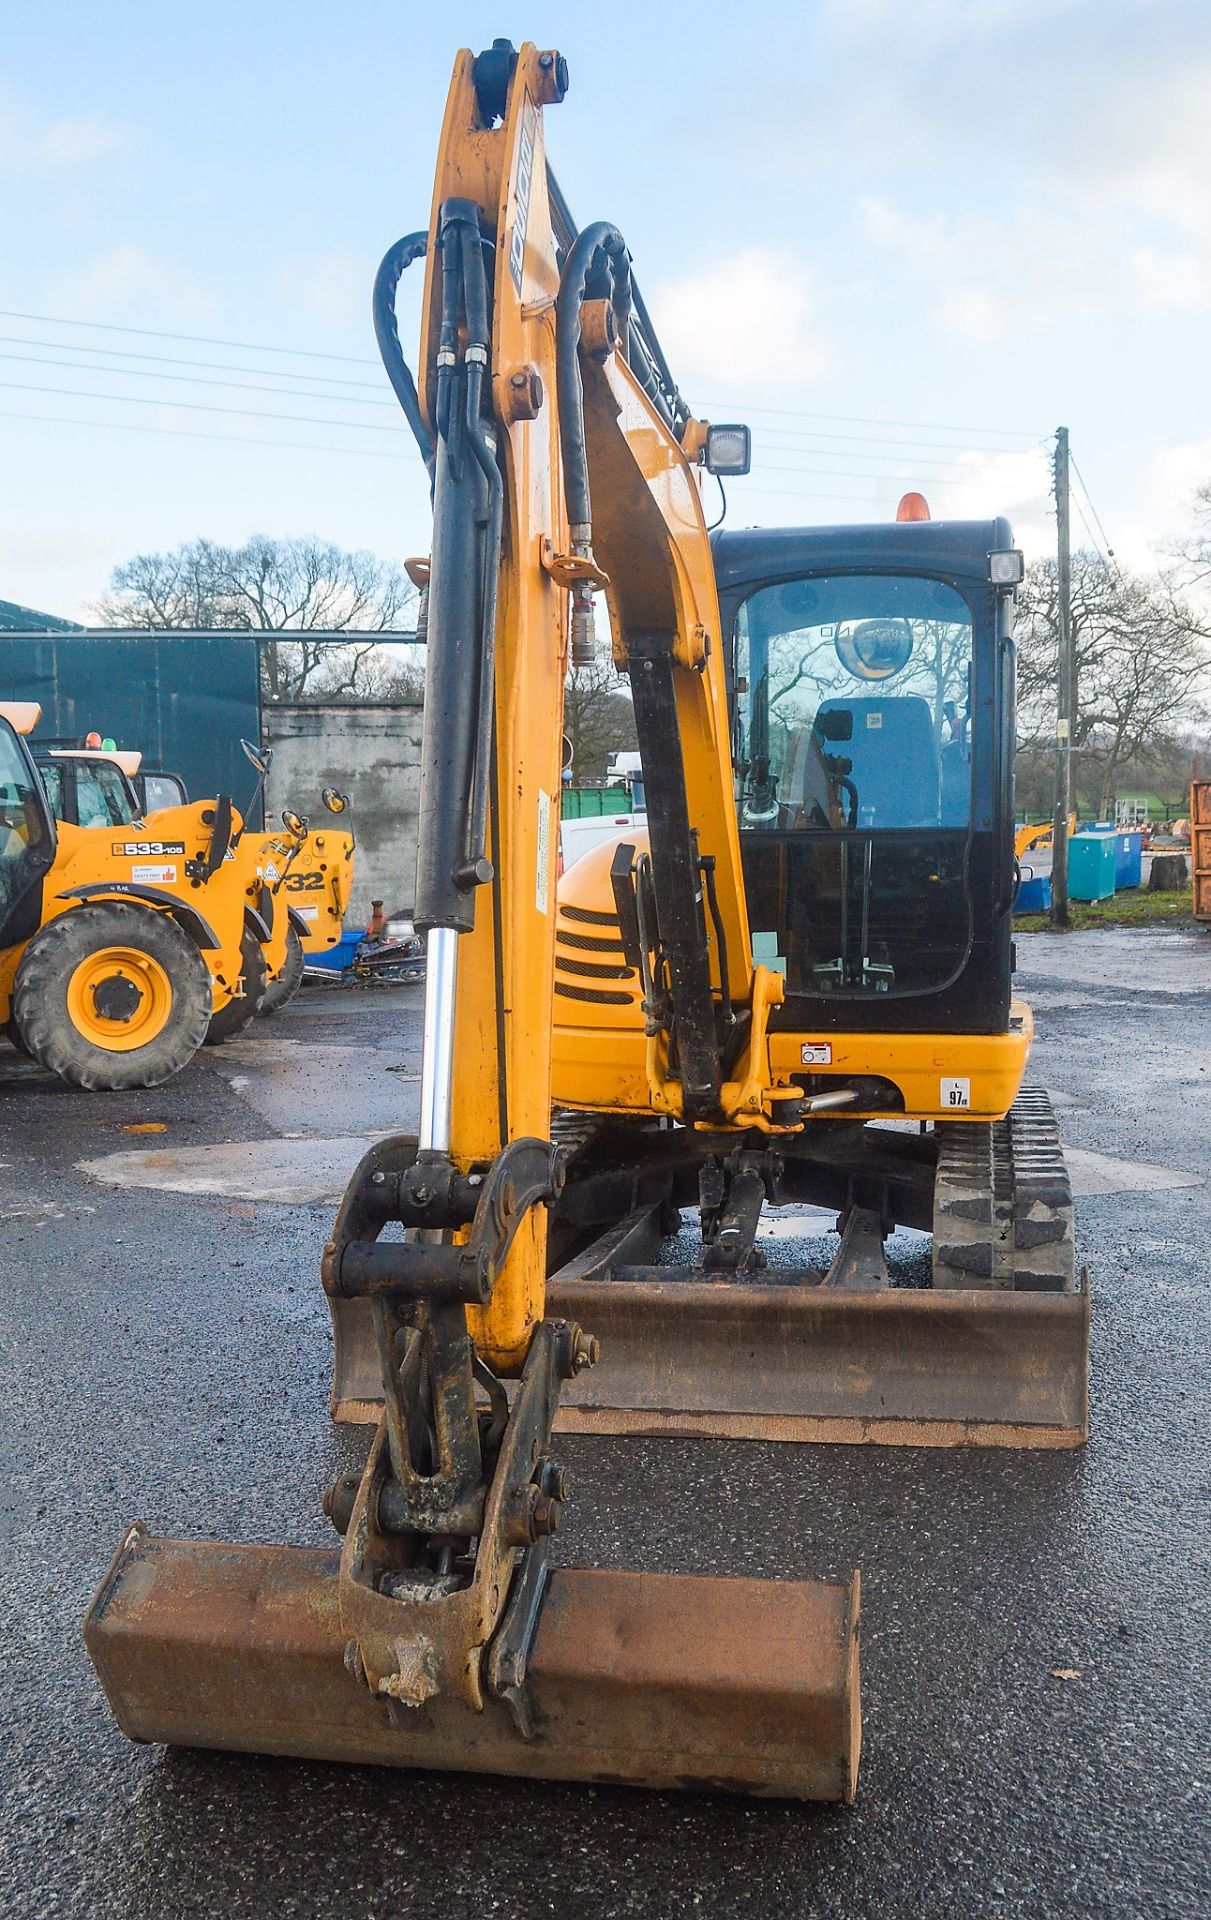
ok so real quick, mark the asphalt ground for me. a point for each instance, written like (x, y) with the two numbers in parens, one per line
(166, 1355)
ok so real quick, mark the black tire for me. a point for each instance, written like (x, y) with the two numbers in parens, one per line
(12, 1034)
(242, 1009)
(43, 1013)
(280, 992)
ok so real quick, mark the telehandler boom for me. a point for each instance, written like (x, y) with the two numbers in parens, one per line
(564, 464)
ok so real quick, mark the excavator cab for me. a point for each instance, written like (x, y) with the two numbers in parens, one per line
(871, 690)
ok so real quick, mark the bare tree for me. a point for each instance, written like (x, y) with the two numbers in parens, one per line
(1192, 551)
(300, 587)
(1142, 664)
(597, 717)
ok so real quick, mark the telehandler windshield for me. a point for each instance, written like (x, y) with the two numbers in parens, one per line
(26, 833)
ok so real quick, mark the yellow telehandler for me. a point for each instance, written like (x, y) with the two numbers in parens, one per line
(132, 946)
(794, 988)
(93, 786)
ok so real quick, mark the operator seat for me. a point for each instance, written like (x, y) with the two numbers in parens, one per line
(894, 752)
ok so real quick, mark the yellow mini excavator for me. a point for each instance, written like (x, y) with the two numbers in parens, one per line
(792, 989)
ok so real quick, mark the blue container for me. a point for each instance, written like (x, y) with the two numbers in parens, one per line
(337, 958)
(1128, 859)
(1034, 894)
(1092, 859)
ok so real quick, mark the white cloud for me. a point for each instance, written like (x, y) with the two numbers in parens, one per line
(1164, 499)
(1002, 277)
(1179, 282)
(126, 278)
(73, 142)
(333, 283)
(743, 319)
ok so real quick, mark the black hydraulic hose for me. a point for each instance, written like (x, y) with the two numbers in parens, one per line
(599, 242)
(386, 331)
(475, 301)
(641, 348)
(485, 454)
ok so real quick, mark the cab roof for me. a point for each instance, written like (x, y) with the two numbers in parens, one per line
(960, 547)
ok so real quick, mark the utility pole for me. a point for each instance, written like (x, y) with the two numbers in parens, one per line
(1065, 705)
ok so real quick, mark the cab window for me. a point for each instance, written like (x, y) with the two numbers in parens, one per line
(101, 797)
(52, 780)
(26, 848)
(853, 769)
(853, 705)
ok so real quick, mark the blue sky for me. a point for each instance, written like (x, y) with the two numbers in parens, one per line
(905, 240)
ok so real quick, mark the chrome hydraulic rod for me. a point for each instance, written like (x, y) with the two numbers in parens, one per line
(437, 1055)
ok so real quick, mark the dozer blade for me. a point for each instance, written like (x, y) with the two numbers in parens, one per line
(652, 1680)
(744, 1360)
(896, 1367)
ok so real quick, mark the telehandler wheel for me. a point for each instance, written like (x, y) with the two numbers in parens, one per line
(280, 992)
(242, 1009)
(112, 995)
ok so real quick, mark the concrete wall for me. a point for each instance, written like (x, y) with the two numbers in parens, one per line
(372, 753)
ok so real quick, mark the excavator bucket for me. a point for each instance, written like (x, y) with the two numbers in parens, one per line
(656, 1680)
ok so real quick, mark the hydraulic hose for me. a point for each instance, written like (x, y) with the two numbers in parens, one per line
(475, 298)
(386, 331)
(597, 245)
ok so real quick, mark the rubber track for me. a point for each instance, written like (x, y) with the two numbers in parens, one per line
(1003, 1203)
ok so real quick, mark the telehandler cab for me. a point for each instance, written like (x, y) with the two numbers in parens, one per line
(796, 989)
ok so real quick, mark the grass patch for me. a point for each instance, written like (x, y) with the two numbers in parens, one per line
(1139, 908)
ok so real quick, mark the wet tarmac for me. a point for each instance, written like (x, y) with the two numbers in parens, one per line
(166, 1355)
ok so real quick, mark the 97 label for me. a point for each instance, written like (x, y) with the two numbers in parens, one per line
(954, 1094)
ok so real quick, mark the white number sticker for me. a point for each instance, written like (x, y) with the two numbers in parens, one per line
(542, 886)
(955, 1093)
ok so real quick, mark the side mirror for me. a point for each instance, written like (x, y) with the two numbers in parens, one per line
(260, 760)
(334, 800)
(293, 822)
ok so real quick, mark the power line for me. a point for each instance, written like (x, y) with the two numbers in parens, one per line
(1093, 510)
(197, 380)
(356, 453)
(364, 360)
(195, 339)
(188, 433)
(198, 406)
(181, 360)
(924, 450)
(869, 420)
(885, 440)
(945, 469)
(951, 478)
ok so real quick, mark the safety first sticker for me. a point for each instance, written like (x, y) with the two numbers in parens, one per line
(954, 1094)
(816, 1053)
(163, 875)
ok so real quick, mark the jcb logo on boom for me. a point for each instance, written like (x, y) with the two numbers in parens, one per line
(304, 882)
(139, 849)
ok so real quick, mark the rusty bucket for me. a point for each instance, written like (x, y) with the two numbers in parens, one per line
(654, 1680)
